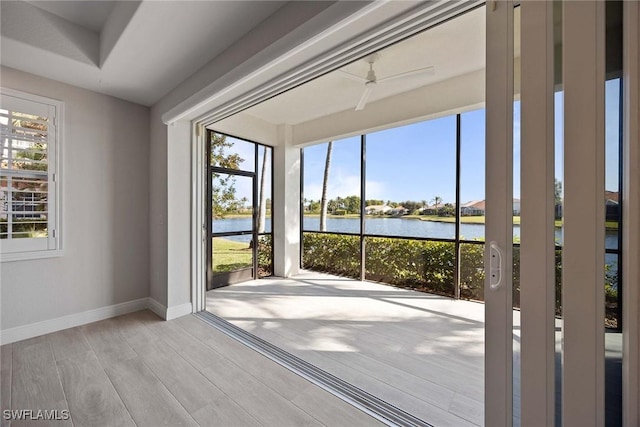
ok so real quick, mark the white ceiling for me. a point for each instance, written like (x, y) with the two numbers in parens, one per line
(90, 14)
(133, 50)
(454, 48)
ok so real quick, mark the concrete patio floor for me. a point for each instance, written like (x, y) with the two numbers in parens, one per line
(422, 353)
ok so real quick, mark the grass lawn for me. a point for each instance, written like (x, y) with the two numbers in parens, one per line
(229, 255)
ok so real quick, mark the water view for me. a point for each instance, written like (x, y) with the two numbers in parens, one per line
(387, 227)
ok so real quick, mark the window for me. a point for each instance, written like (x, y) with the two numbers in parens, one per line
(29, 177)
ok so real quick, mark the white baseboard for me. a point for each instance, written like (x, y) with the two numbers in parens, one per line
(179, 311)
(171, 312)
(65, 322)
(157, 308)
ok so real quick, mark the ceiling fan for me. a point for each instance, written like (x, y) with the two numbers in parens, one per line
(371, 80)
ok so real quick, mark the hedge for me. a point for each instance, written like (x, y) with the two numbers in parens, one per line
(421, 265)
(265, 263)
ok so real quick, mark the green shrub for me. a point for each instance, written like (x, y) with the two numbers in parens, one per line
(415, 264)
(422, 265)
(332, 253)
(265, 263)
(611, 284)
(472, 271)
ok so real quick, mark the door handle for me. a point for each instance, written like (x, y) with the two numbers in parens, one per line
(495, 266)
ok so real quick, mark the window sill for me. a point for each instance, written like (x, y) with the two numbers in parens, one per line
(28, 256)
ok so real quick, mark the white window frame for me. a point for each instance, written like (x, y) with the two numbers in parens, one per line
(36, 248)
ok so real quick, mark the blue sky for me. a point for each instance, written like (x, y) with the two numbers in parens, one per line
(417, 161)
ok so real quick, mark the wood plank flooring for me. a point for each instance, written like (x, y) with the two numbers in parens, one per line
(422, 353)
(139, 370)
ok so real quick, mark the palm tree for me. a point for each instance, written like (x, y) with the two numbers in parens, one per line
(436, 202)
(262, 207)
(325, 183)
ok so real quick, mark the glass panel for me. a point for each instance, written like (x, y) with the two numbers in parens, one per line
(516, 169)
(232, 153)
(614, 225)
(411, 180)
(416, 264)
(24, 144)
(335, 167)
(517, 159)
(332, 253)
(23, 207)
(231, 253)
(612, 162)
(265, 259)
(559, 200)
(472, 175)
(264, 189)
(612, 202)
(231, 203)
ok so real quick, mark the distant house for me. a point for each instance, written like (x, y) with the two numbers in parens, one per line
(428, 210)
(612, 205)
(399, 210)
(516, 207)
(611, 202)
(377, 209)
(472, 208)
(477, 207)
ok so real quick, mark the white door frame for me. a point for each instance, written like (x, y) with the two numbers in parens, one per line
(537, 220)
(583, 253)
(630, 216)
(198, 218)
(499, 216)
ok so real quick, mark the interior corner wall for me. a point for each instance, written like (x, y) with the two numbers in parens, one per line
(158, 259)
(179, 217)
(170, 215)
(105, 205)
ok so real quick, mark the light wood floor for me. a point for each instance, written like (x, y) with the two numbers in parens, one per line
(420, 352)
(139, 370)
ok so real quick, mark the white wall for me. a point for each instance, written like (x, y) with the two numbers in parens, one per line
(179, 217)
(105, 211)
(170, 204)
(158, 208)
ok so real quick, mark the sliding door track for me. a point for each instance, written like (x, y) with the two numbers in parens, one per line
(377, 408)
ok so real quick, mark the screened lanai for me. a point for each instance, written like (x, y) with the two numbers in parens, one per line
(382, 219)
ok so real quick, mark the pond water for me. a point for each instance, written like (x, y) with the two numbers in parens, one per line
(389, 227)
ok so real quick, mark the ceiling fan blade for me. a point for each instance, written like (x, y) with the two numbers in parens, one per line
(365, 96)
(416, 72)
(353, 77)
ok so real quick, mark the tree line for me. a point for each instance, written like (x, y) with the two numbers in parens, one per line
(351, 205)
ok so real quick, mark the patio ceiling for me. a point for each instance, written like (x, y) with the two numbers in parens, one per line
(323, 109)
(453, 49)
